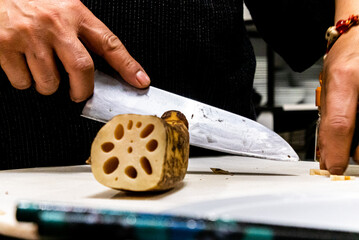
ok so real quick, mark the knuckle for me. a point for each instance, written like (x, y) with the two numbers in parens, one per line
(48, 16)
(110, 42)
(340, 125)
(129, 63)
(343, 70)
(48, 84)
(40, 56)
(71, 5)
(5, 39)
(9, 40)
(26, 29)
(83, 64)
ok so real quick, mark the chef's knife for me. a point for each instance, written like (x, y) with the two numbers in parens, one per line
(209, 127)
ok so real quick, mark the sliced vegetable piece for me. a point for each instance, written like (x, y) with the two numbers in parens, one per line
(141, 152)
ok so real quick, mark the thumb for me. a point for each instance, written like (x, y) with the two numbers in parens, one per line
(97, 37)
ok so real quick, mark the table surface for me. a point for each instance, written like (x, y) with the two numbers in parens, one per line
(255, 190)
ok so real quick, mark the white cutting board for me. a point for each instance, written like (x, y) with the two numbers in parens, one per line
(256, 190)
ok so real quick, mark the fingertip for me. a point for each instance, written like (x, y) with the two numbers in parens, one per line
(26, 84)
(77, 99)
(322, 165)
(47, 87)
(46, 92)
(336, 170)
(81, 88)
(142, 79)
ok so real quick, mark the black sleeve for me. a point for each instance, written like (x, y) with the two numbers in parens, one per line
(295, 29)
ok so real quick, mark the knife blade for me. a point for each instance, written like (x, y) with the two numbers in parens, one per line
(209, 127)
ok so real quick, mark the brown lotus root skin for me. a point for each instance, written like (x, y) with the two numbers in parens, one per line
(141, 152)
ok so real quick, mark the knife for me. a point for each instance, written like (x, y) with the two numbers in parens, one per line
(209, 127)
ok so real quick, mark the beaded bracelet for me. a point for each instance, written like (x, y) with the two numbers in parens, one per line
(342, 26)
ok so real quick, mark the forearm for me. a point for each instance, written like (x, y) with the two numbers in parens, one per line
(345, 8)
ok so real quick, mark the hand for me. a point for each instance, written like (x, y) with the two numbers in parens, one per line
(339, 101)
(33, 33)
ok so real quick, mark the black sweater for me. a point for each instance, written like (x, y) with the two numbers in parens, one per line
(195, 48)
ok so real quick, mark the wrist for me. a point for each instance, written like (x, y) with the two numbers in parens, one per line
(341, 27)
(345, 8)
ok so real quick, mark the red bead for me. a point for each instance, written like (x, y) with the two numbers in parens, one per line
(342, 27)
(353, 18)
(340, 23)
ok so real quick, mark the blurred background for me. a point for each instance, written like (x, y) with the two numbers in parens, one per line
(285, 100)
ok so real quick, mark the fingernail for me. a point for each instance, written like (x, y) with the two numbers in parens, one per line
(336, 170)
(142, 78)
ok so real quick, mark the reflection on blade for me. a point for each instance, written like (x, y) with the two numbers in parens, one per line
(209, 127)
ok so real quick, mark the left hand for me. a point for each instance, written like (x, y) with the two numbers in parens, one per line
(339, 99)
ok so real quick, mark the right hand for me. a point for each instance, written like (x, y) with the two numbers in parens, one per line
(33, 33)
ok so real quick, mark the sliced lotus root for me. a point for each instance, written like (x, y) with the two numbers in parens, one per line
(141, 153)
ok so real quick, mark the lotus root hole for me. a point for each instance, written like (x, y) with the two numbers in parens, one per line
(138, 124)
(111, 165)
(119, 132)
(146, 165)
(107, 147)
(129, 125)
(147, 130)
(152, 145)
(131, 172)
(129, 150)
